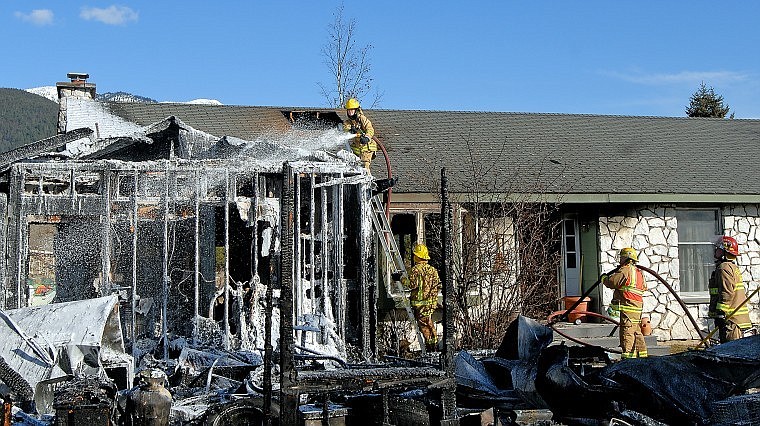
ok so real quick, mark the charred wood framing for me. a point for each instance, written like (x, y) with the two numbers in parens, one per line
(288, 374)
(365, 252)
(3, 244)
(204, 249)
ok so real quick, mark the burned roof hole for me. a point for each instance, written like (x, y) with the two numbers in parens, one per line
(312, 120)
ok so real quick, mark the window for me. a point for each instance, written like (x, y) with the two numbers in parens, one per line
(696, 230)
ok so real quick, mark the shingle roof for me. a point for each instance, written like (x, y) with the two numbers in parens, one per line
(527, 152)
(244, 122)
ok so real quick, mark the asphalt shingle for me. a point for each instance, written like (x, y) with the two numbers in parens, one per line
(525, 152)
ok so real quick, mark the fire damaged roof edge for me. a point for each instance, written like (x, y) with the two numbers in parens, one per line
(42, 146)
(116, 143)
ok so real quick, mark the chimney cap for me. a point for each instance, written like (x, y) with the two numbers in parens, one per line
(78, 76)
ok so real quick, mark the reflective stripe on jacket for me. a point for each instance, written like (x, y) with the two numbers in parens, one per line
(424, 284)
(629, 287)
(727, 293)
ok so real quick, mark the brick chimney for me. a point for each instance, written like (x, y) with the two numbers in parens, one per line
(78, 86)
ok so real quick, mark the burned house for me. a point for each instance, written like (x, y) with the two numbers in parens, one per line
(247, 249)
(526, 183)
(261, 243)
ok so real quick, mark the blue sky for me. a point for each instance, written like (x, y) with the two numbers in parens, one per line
(592, 57)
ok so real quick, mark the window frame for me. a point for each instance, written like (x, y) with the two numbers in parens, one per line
(701, 295)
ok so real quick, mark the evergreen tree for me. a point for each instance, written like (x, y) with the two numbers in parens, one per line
(705, 103)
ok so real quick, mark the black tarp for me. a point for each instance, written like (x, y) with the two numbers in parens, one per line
(676, 389)
(475, 386)
(522, 344)
(682, 387)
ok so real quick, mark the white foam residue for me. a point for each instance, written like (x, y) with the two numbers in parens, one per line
(84, 112)
(297, 145)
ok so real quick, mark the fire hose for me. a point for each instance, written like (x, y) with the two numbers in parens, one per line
(580, 342)
(390, 176)
(556, 317)
(711, 333)
(673, 292)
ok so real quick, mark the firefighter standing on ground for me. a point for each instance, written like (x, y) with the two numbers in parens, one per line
(362, 144)
(424, 285)
(628, 300)
(727, 292)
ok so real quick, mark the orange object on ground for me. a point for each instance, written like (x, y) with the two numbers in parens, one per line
(583, 306)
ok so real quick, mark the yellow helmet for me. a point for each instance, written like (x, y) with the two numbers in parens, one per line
(421, 251)
(352, 104)
(629, 253)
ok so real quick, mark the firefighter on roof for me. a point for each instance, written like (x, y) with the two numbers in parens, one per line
(628, 302)
(727, 292)
(424, 285)
(363, 144)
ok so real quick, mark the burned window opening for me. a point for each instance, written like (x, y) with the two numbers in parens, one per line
(404, 227)
(432, 231)
(313, 120)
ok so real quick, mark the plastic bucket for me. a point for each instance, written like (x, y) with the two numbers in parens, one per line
(583, 306)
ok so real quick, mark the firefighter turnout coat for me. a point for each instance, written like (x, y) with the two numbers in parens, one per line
(628, 299)
(360, 125)
(727, 293)
(424, 285)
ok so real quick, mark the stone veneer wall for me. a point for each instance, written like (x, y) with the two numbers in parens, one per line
(653, 232)
(742, 221)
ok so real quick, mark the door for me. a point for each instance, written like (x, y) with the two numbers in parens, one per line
(571, 264)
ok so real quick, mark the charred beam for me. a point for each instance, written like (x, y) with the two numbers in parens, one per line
(288, 375)
(165, 265)
(135, 230)
(448, 396)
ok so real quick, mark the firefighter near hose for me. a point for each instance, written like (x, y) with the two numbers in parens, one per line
(363, 144)
(628, 302)
(424, 285)
(728, 297)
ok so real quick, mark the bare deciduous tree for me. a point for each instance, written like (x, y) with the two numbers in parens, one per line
(506, 260)
(506, 255)
(349, 64)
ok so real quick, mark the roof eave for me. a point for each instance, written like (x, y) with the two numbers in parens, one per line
(578, 198)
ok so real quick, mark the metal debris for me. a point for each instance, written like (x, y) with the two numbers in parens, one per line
(245, 270)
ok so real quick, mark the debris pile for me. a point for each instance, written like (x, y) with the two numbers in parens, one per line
(85, 400)
(582, 386)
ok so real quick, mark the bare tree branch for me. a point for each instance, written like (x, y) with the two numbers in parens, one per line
(349, 65)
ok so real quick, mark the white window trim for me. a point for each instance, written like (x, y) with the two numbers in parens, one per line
(697, 297)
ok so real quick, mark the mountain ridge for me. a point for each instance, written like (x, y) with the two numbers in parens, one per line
(25, 118)
(51, 93)
(30, 115)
